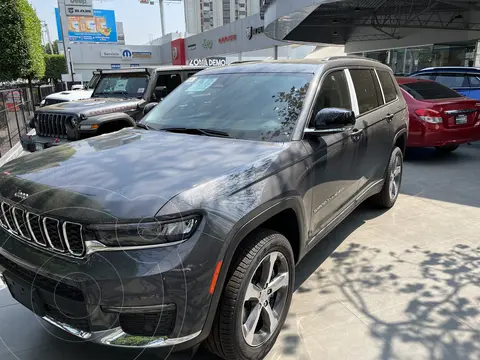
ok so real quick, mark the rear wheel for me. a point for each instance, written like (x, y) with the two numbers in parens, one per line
(446, 148)
(393, 179)
(255, 300)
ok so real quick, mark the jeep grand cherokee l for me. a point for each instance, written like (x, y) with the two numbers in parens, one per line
(187, 228)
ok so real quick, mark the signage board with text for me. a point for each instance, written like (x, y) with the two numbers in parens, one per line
(99, 28)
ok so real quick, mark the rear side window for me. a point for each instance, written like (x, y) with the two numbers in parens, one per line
(367, 96)
(429, 90)
(452, 80)
(474, 81)
(389, 89)
(423, 76)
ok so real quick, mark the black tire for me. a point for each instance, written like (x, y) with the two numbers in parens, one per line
(447, 148)
(226, 339)
(384, 199)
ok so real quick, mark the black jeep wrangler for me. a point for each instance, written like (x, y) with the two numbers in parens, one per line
(120, 99)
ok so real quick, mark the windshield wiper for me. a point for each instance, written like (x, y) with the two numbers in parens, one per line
(144, 126)
(121, 92)
(207, 132)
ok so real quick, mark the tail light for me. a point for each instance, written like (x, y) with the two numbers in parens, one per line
(429, 116)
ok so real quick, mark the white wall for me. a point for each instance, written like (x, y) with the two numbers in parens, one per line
(87, 57)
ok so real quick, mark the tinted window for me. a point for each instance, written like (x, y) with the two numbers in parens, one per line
(365, 89)
(334, 92)
(452, 80)
(389, 89)
(423, 76)
(474, 81)
(254, 106)
(429, 90)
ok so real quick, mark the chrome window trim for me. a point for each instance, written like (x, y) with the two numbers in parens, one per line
(380, 85)
(44, 221)
(43, 245)
(353, 93)
(67, 242)
(20, 232)
(9, 227)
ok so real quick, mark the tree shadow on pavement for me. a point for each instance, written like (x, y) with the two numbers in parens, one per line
(417, 303)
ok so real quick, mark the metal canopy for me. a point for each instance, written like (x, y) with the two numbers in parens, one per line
(387, 17)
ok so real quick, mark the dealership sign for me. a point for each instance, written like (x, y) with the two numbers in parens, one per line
(250, 31)
(78, 8)
(111, 53)
(227, 38)
(210, 61)
(79, 2)
(78, 11)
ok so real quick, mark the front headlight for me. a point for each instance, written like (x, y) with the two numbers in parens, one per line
(147, 233)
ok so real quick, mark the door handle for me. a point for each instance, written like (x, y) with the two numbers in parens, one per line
(356, 134)
(389, 117)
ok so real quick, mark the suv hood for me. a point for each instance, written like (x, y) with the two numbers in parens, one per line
(71, 95)
(125, 175)
(93, 106)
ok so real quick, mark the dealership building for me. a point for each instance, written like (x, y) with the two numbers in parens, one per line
(407, 36)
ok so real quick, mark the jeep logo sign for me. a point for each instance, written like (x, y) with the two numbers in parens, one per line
(79, 3)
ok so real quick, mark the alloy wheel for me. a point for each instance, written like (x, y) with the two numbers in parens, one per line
(265, 299)
(395, 178)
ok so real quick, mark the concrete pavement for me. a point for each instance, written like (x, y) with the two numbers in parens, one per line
(401, 284)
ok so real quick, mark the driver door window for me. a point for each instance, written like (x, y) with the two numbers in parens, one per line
(334, 93)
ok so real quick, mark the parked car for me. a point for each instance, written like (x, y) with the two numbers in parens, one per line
(119, 100)
(187, 228)
(439, 116)
(78, 92)
(464, 80)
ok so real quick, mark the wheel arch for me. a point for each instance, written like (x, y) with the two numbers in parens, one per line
(277, 212)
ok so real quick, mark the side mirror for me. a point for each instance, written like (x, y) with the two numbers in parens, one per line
(333, 119)
(149, 107)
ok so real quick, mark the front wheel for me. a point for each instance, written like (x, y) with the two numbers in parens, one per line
(447, 148)
(255, 300)
(393, 179)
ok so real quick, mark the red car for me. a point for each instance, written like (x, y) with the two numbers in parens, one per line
(439, 116)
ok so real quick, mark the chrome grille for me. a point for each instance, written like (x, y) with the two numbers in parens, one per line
(8, 218)
(20, 222)
(33, 223)
(53, 125)
(47, 232)
(51, 228)
(73, 232)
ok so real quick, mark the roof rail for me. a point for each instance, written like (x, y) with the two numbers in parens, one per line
(349, 57)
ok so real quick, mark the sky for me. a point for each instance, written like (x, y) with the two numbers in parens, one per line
(141, 22)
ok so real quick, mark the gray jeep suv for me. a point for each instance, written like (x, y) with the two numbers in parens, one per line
(187, 228)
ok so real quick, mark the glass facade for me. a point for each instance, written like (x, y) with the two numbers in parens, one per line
(404, 61)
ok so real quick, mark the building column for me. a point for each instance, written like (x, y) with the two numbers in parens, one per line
(477, 55)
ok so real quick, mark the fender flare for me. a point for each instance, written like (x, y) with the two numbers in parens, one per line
(107, 118)
(238, 233)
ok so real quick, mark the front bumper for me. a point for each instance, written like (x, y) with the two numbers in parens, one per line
(34, 143)
(104, 297)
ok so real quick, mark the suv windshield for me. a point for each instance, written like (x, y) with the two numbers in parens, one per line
(121, 85)
(252, 106)
(429, 90)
